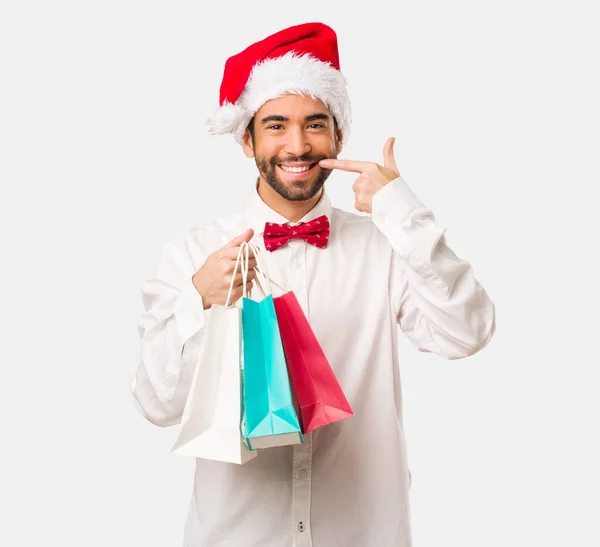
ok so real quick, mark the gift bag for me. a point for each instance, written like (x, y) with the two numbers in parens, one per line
(321, 400)
(270, 418)
(210, 424)
(319, 396)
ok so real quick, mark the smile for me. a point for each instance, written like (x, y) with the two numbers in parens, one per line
(298, 169)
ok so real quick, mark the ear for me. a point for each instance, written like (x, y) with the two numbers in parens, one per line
(339, 144)
(247, 145)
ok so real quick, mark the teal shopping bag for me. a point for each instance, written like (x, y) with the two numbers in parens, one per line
(270, 418)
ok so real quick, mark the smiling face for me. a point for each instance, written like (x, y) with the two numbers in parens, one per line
(290, 135)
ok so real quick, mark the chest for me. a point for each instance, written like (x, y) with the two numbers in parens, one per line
(341, 287)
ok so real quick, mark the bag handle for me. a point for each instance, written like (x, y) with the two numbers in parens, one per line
(262, 281)
(239, 261)
(262, 271)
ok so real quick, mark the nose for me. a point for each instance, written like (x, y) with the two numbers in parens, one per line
(297, 144)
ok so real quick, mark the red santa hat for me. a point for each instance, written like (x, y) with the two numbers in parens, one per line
(302, 59)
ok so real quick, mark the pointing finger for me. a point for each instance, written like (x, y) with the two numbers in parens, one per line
(345, 165)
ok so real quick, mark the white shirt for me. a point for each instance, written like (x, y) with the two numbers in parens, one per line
(348, 484)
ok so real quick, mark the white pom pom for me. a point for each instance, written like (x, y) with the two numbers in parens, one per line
(226, 120)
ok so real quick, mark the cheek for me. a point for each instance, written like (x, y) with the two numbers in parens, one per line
(268, 151)
(331, 147)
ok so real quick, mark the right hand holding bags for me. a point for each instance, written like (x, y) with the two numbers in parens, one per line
(319, 396)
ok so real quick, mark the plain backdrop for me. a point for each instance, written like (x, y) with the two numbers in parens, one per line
(105, 157)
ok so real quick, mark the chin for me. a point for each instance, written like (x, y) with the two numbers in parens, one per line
(299, 191)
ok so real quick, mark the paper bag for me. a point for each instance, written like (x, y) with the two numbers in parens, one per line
(319, 396)
(211, 420)
(269, 415)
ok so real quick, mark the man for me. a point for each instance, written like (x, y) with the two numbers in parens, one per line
(284, 98)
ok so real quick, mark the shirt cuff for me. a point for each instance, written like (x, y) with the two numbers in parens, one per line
(189, 313)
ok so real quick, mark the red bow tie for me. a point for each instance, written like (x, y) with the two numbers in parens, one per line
(315, 232)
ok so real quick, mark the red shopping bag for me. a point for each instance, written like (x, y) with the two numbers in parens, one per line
(315, 388)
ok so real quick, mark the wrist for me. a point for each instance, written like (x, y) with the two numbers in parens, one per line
(205, 303)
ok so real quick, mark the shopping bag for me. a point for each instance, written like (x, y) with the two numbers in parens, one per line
(270, 418)
(319, 395)
(211, 420)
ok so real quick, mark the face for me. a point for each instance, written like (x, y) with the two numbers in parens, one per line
(291, 135)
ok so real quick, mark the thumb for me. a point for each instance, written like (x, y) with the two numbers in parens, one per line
(238, 240)
(388, 154)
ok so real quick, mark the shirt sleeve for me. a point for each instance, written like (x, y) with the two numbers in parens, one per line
(170, 330)
(438, 302)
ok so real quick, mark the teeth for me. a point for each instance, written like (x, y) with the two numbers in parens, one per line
(295, 169)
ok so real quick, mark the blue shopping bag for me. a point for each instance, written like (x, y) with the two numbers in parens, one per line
(270, 418)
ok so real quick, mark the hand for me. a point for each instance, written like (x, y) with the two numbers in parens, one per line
(213, 279)
(373, 177)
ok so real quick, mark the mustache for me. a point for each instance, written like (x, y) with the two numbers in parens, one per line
(309, 158)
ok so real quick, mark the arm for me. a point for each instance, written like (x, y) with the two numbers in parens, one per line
(170, 331)
(177, 300)
(439, 303)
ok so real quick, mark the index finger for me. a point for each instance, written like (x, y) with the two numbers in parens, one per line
(344, 165)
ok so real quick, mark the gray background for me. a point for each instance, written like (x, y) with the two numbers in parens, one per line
(104, 158)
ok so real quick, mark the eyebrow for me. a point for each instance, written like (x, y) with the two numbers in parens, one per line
(278, 118)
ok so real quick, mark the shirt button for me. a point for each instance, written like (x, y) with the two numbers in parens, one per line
(302, 474)
(301, 527)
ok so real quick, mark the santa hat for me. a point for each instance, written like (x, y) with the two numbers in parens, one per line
(302, 59)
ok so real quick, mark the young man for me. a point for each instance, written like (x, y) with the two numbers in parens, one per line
(357, 277)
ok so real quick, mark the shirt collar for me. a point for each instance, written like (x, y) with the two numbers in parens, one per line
(258, 213)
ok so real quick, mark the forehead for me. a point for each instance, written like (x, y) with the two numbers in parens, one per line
(292, 106)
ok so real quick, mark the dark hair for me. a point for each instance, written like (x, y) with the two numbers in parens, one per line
(250, 128)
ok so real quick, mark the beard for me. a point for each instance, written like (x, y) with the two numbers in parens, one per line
(299, 189)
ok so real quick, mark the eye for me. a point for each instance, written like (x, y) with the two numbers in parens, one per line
(274, 126)
(317, 125)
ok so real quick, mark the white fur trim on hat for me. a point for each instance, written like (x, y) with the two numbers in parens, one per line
(273, 78)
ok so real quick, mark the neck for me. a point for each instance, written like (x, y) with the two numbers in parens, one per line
(291, 210)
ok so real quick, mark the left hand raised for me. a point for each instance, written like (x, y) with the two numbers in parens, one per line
(373, 177)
